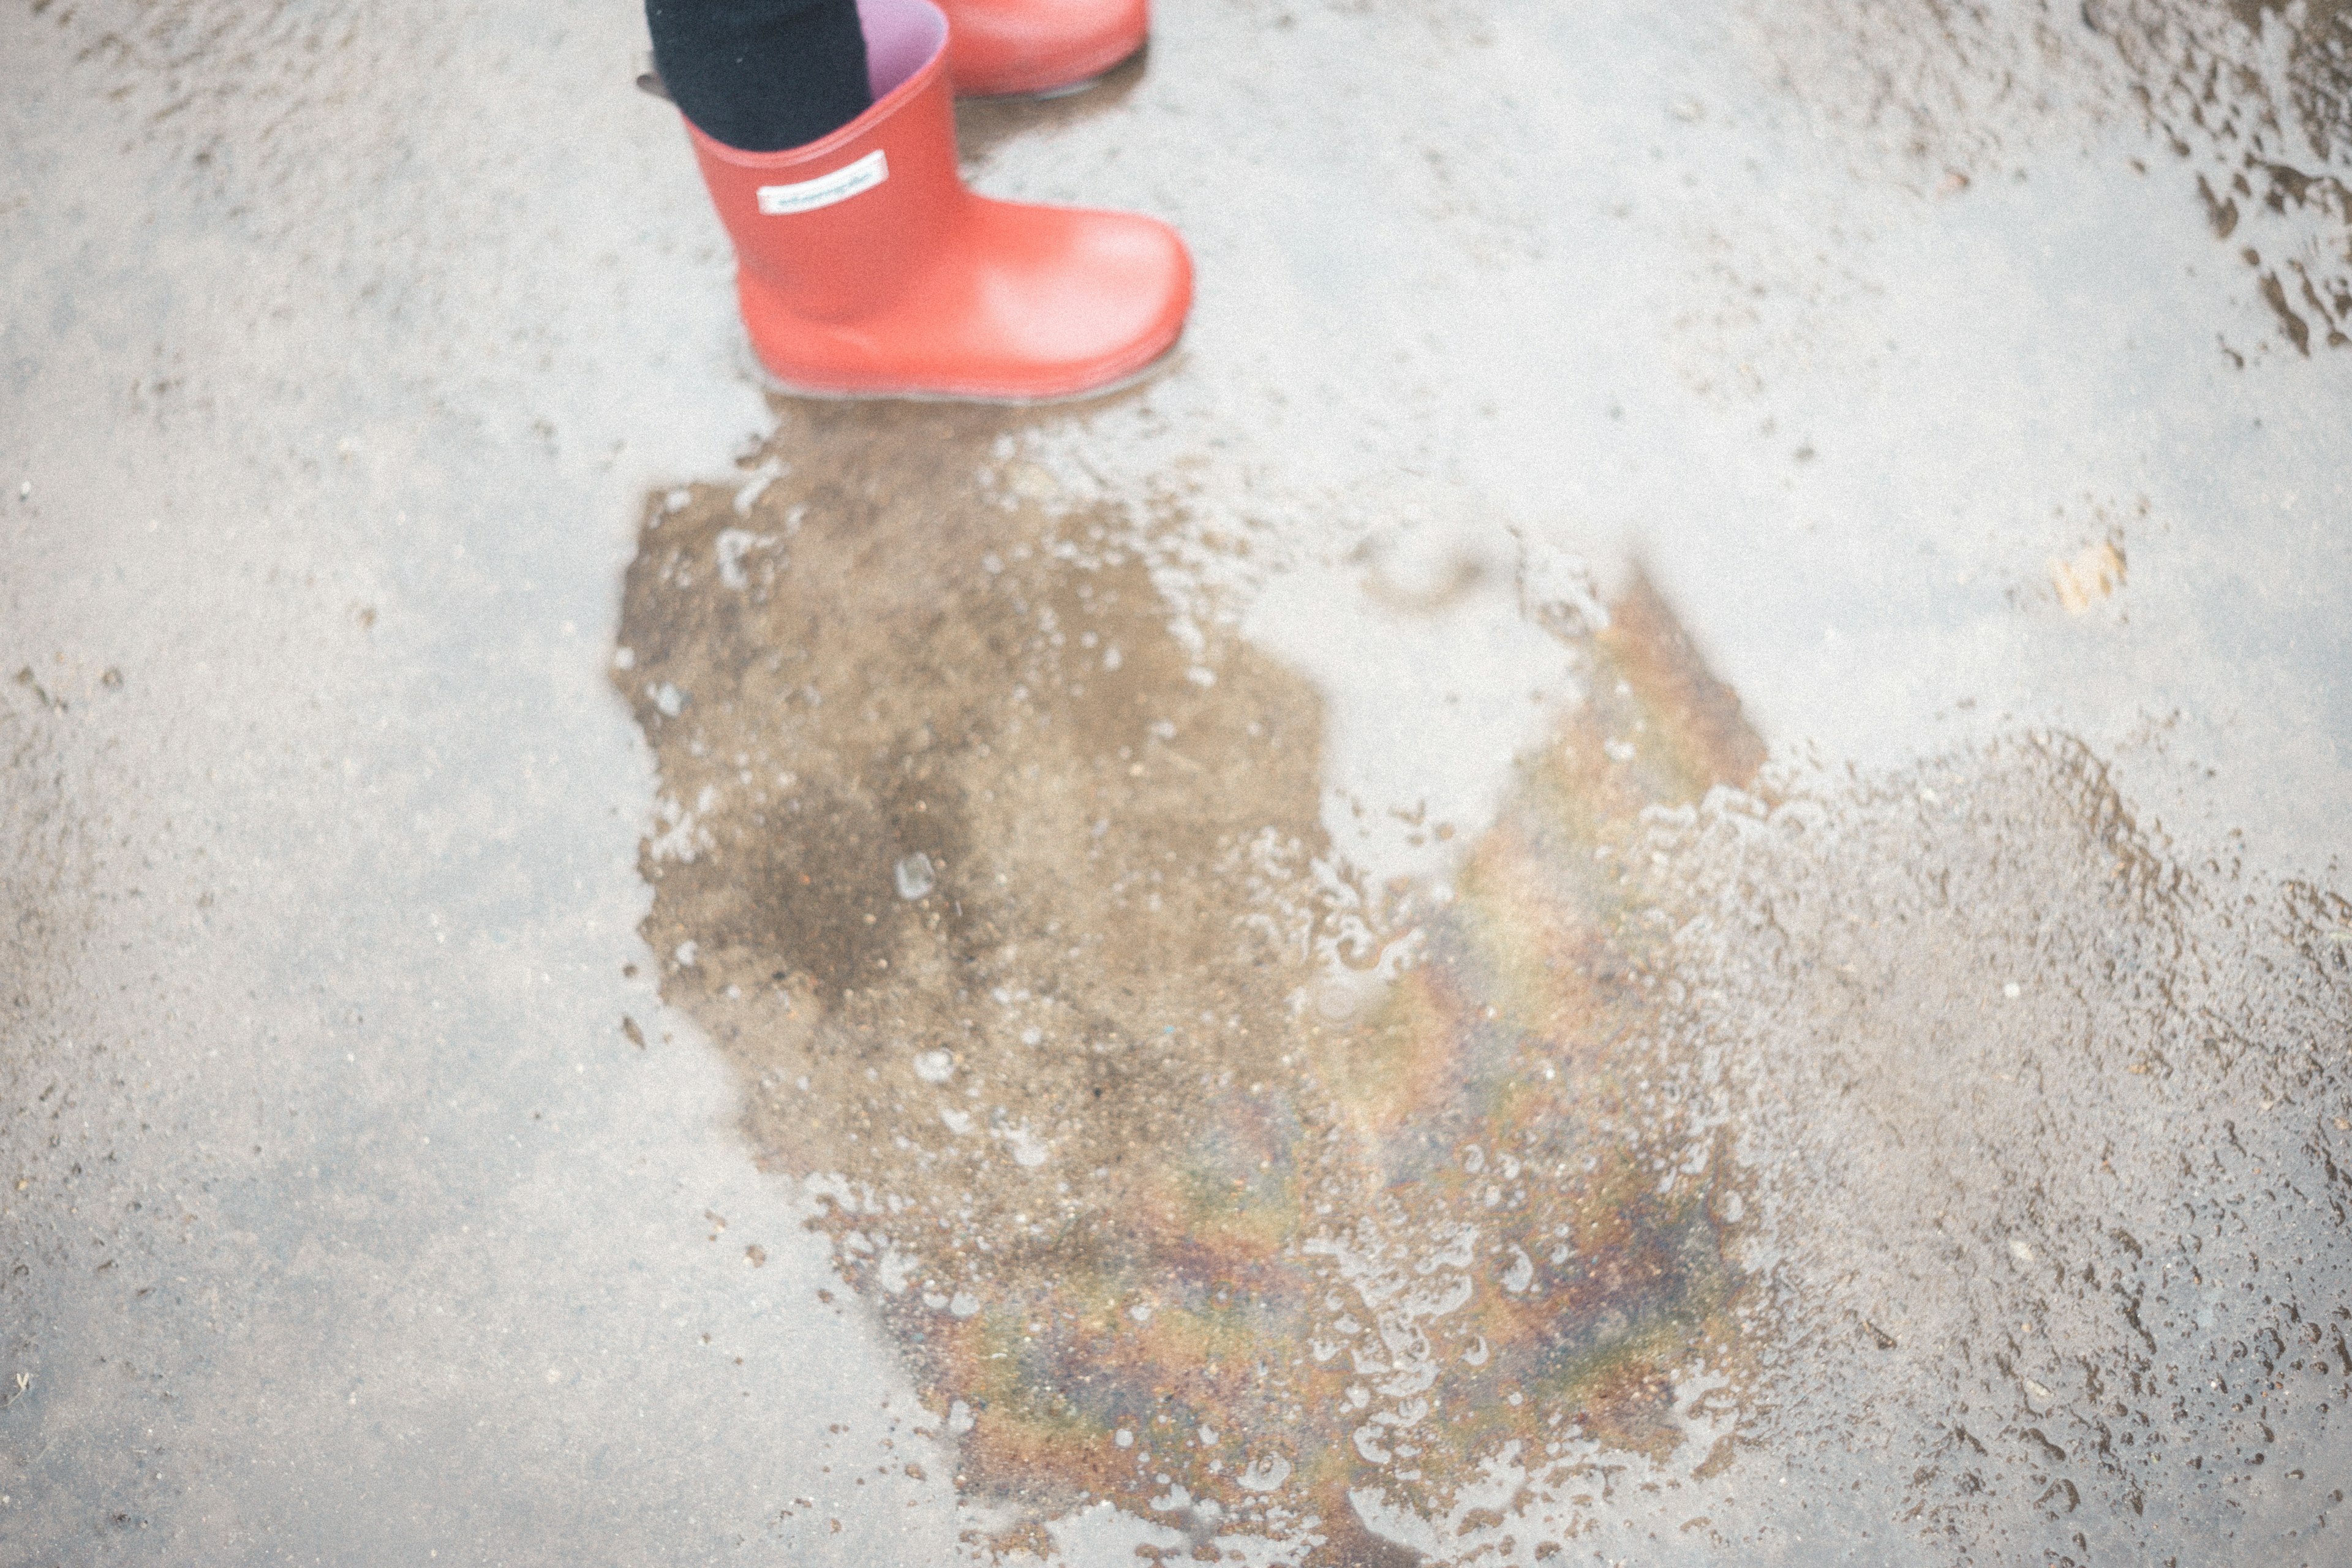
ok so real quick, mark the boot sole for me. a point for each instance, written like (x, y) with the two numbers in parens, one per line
(769, 379)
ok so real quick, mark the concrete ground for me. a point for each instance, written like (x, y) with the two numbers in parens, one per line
(1647, 868)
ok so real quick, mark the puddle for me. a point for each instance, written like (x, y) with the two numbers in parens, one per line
(1004, 886)
(1938, 1145)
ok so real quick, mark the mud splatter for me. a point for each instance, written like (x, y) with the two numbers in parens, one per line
(1003, 883)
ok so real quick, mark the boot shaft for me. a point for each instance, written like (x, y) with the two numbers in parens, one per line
(845, 224)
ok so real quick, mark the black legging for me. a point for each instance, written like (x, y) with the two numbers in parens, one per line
(761, 75)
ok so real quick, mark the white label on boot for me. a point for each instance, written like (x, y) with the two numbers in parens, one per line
(826, 189)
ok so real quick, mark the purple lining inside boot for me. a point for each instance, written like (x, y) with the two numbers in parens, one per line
(901, 36)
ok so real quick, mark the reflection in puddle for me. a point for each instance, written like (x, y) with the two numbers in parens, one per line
(1004, 886)
(1936, 1137)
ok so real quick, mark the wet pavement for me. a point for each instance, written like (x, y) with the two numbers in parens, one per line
(1647, 868)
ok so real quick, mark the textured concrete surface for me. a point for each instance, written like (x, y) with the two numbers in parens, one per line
(484, 788)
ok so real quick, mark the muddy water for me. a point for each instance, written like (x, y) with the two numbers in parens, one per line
(1187, 1172)
(1934, 1141)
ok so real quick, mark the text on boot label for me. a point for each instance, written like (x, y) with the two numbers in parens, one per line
(825, 189)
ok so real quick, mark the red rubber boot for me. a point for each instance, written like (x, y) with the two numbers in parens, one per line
(1003, 48)
(866, 270)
